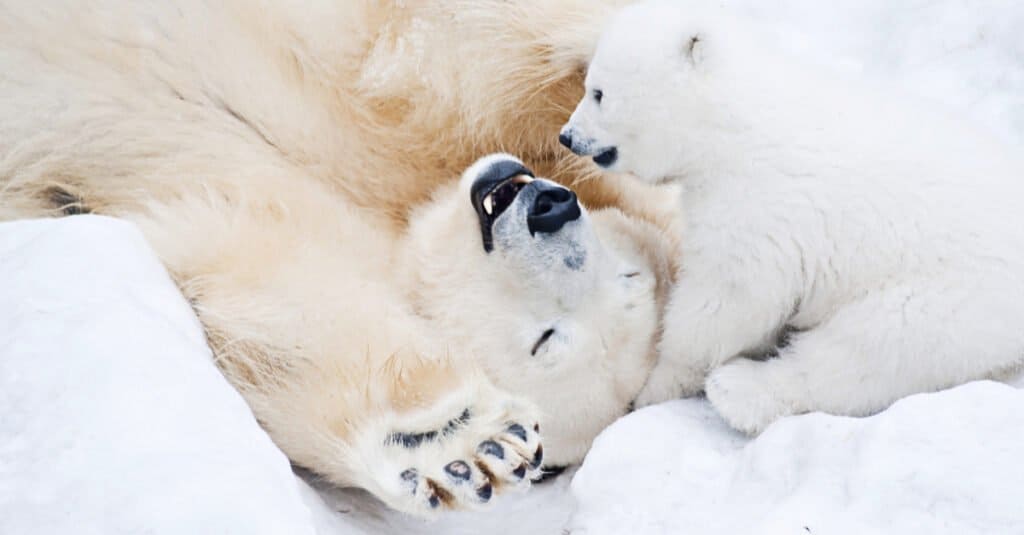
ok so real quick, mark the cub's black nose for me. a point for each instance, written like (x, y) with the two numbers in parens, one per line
(552, 208)
(565, 139)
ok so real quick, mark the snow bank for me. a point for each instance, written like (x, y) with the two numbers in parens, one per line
(947, 462)
(113, 418)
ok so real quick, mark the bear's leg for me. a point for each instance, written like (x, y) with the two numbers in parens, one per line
(902, 340)
(709, 319)
(422, 434)
(307, 321)
(422, 430)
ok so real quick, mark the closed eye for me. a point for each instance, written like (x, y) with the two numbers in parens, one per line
(540, 341)
(598, 95)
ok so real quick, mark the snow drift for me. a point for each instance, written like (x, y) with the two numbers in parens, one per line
(113, 418)
(933, 463)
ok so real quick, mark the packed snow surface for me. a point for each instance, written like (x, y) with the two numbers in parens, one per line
(114, 420)
(947, 462)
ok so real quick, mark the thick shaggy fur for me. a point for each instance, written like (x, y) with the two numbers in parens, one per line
(882, 238)
(272, 152)
(402, 95)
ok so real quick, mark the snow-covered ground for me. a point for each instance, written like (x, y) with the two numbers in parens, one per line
(933, 463)
(114, 420)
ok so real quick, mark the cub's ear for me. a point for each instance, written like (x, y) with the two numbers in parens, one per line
(694, 48)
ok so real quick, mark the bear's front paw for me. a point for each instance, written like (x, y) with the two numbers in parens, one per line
(463, 464)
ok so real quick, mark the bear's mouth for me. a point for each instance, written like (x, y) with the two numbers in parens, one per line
(500, 197)
(494, 202)
(494, 191)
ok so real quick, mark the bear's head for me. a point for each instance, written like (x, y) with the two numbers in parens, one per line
(557, 304)
(650, 100)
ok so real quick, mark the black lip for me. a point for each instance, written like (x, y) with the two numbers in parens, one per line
(607, 157)
(485, 182)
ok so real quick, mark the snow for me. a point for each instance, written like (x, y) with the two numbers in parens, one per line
(114, 420)
(967, 56)
(543, 510)
(946, 462)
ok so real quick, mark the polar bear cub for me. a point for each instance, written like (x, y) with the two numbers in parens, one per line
(876, 246)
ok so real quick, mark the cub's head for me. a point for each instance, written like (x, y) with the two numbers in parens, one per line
(648, 98)
(557, 304)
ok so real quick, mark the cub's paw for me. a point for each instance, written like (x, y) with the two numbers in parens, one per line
(464, 463)
(747, 396)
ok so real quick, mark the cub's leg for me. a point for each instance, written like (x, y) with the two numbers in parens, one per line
(714, 314)
(905, 339)
(295, 291)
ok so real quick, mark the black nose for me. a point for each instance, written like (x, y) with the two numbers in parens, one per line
(565, 139)
(553, 207)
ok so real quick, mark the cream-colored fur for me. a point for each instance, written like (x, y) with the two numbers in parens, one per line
(272, 153)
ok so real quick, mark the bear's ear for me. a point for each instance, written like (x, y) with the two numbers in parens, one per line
(693, 49)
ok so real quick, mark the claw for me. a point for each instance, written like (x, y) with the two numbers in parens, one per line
(438, 495)
(486, 471)
(520, 472)
(538, 457)
(484, 492)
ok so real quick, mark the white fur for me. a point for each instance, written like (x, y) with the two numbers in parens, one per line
(604, 315)
(889, 236)
(273, 154)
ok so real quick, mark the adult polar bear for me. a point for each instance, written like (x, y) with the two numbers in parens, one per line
(272, 153)
(885, 241)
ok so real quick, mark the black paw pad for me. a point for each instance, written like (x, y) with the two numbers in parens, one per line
(536, 428)
(484, 492)
(435, 501)
(518, 431)
(458, 470)
(492, 448)
(520, 472)
(411, 478)
(538, 457)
